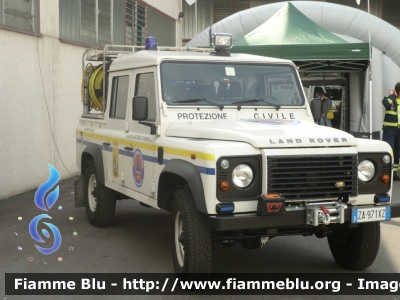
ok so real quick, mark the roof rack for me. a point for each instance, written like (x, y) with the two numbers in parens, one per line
(111, 52)
(181, 49)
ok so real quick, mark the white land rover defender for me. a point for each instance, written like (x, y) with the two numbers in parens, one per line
(218, 140)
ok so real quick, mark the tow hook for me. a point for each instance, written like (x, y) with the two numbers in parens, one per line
(264, 240)
(325, 212)
(324, 215)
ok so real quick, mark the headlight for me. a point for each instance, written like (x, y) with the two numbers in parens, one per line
(242, 176)
(366, 170)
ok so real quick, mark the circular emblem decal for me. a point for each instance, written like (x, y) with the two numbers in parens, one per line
(138, 168)
(272, 121)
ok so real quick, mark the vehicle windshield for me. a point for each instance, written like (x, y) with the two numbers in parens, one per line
(223, 84)
(335, 93)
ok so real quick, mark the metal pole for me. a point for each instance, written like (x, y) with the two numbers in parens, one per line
(97, 22)
(370, 73)
(195, 12)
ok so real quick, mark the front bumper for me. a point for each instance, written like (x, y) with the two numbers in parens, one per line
(288, 218)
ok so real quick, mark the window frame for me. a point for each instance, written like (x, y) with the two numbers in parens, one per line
(134, 21)
(114, 95)
(78, 11)
(154, 101)
(36, 20)
(72, 34)
(97, 17)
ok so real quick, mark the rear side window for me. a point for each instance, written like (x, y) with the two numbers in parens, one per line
(318, 92)
(119, 97)
(334, 93)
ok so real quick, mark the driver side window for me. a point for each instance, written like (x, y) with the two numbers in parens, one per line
(145, 86)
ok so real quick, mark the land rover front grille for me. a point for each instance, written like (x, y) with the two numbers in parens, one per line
(312, 177)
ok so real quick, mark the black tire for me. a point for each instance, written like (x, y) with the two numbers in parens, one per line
(191, 238)
(99, 200)
(355, 248)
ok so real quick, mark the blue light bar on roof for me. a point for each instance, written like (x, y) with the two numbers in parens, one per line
(151, 43)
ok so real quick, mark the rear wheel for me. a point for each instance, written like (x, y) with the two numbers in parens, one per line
(191, 238)
(355, 248)
(99, 200)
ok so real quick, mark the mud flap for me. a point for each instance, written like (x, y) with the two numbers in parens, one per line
(79, 187)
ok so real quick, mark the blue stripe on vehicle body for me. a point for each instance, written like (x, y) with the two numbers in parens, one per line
(207, 171)
(152, 159)
(79, 141)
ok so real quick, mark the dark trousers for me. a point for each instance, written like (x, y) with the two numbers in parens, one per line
(391, 136)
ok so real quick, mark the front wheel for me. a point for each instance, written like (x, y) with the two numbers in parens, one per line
(191, 238)
(355, 248)
(99, 200)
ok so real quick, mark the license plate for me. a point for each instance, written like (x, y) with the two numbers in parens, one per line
(359, 215)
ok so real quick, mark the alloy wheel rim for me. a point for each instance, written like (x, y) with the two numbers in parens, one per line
(91, 188)
(180, 252)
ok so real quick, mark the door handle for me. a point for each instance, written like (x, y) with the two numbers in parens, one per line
(128, 148)
(106, 144)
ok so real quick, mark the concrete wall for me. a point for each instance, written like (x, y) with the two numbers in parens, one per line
(40, 81)
(168, 7)
(172, 9)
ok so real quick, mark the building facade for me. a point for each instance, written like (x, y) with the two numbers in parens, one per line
(42, 43)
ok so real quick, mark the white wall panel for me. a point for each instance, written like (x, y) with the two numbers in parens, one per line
(27, 145)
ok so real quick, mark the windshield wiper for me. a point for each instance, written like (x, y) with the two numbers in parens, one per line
(278, 107)
(220, 106)
(248, 101)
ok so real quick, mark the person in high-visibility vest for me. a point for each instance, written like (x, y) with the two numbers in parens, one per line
(391, 126)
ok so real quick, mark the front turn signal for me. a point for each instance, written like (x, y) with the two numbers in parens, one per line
(385, 178)
(224, 185)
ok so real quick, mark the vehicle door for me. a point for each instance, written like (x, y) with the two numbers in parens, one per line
(139, 169)
(116, 116)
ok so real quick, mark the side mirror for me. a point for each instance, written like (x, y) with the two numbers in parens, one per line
(315, 106)
(140, 108)
(140, 112)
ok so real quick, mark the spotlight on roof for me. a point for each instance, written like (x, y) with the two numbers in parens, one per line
(221, 42)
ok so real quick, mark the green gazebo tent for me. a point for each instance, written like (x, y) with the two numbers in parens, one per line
(289, 34)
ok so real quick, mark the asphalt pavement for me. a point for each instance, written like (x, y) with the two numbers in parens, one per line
(139, 242)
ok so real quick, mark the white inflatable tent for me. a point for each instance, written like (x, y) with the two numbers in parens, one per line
(351, 25)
